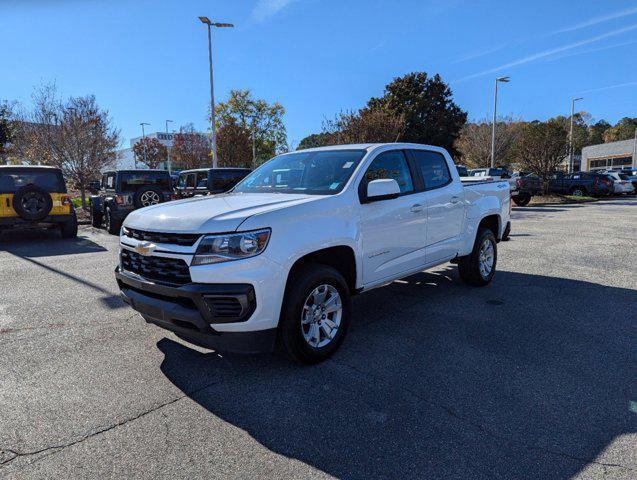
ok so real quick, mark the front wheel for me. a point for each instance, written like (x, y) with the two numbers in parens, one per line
(478, 267)
(522, 200)
(96, 218)
(315, 314)
(112, 226)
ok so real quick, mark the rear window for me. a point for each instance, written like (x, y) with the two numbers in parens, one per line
(131, 181)
(50, 180)
(462, 171)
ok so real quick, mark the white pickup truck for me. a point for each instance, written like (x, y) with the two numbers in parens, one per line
(276, 260)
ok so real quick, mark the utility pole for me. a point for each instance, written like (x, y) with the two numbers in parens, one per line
(254, 147)
(144, 144)
(635, 151)
(570, 136)
(167, 148)
(495, 108)
(213, 147)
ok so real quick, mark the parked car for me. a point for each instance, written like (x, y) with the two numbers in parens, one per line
(35, 197)
(203, 181)
(122, 191)
(527, 186)
(622, 183)
(280, 255)
(497, 173)
(632, 176)
(581, 184)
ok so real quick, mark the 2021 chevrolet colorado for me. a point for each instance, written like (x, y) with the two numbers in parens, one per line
(276, 259)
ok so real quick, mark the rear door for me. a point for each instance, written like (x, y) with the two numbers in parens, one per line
(445, 209)
(393, 230)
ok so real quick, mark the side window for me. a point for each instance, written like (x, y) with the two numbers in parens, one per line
(433, 167)
(181, 183)
(190, 180)
(390, 165)
(202, 179)
(110, 181)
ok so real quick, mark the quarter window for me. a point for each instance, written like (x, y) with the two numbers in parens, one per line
(390, 165)
(433, 167)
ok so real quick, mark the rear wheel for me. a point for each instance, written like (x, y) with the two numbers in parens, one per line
(522, 200)
(112, 226)
(96, 218)
(478, 267)
(315, 314)
(578, 191)
(69, 229)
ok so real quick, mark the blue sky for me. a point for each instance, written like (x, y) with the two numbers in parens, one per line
(147, 60)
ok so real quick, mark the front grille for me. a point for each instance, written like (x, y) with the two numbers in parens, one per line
(162, 269)
(224, 306)
(183, 239)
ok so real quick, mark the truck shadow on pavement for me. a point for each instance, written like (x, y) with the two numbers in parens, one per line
(32, 244)
(532, 377)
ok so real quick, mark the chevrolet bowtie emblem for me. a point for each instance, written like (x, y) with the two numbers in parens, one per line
(145, 248)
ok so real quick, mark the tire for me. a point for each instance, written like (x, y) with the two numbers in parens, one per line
(301, 321)
(578, 191)
(522, 200)
(112, 226)
(96, 218)
(469, 266)
(32, 203)
(147, 196)
(69, 229)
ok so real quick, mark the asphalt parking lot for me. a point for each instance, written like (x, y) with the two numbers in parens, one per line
(534, 376)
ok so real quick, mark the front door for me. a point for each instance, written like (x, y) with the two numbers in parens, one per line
(393, 231)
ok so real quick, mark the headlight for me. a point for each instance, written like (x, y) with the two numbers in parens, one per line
(231, 246)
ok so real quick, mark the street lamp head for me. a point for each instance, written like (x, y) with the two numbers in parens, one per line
(503, 79)
(578, 98)
(205, 20)
(223, 25)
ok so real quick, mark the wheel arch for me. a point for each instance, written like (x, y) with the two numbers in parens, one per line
(340, 257)
(493, 223)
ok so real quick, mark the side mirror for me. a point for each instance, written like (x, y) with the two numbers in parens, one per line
(383, 189)
(94, 187)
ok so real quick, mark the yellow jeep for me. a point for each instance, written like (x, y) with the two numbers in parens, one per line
(35, 197)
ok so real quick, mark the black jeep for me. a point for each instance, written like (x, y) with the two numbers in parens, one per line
(204, 181)
(122, 191)
(35, 197)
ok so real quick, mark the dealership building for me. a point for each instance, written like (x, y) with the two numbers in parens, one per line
(126, 157)
(609, 155)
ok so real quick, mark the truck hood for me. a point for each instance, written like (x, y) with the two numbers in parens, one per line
(212, 214)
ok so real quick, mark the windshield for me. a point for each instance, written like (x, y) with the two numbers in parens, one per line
(48, 179)
(323, 172)
(131, 181)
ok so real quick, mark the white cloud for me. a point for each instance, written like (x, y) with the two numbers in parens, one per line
(265, 9)
(597, 20)
(550, 52)
(480, 53)
(591, 50)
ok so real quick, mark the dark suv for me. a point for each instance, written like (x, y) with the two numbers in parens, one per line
(122, 191)
(35, 197)
(203, 181)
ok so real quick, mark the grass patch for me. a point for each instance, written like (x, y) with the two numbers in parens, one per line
(573, 198)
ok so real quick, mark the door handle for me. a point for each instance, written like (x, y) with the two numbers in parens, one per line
(416, 208)
(455, 199)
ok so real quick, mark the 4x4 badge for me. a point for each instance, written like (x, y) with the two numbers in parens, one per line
(145, 248)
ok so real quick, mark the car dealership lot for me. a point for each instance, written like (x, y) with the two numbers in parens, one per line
(534, 376)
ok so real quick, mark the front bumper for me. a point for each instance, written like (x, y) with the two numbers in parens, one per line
(189, 311)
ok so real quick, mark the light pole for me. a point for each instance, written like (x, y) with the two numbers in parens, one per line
(143, 143)
(168, 149)
(213, 151)
(635, 151)
(495, 108)
(254, 147)
(570, 135)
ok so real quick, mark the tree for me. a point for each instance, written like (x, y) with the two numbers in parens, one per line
(596, 132)
(474, 142)
(580, 129)
(365, 126)
(74, 135)
(623, 130)
(190, 149)
(316, 140)
(234, 145)
(156, 152)
(5, 129)
(542, 147)
(426, 104)
(264, 121)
